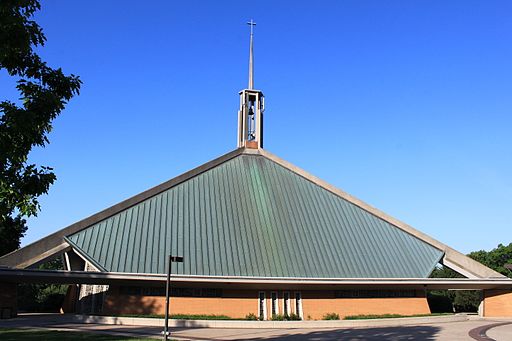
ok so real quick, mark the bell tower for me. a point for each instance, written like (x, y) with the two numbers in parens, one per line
(252, 106)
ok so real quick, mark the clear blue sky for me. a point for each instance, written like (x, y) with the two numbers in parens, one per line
(404, 104)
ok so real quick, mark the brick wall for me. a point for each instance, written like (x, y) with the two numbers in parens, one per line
(497, 303)
(234, 303)
(8, 300)
(316, 304)
(239, 303)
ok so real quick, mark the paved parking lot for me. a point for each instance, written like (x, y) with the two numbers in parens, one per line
(451, 331)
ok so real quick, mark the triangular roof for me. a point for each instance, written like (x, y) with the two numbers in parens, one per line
(251, 214)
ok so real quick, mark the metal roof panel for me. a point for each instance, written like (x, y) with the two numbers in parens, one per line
(250, 216)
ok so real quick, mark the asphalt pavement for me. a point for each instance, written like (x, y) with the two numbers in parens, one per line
(451, 331)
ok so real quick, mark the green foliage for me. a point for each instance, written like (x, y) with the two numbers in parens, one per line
(251, 317)
(200, 317)
(277, 317)
(44, 92)
(468, 300)
(331, 316)
(444, 301)
(367, 317)
(179, 316)
(387, 316)
(42, 297)
(439, 301)
(496, 258)
(52, 264)
(286, 317)
(444, 272)
(38, 334)
(293, 317)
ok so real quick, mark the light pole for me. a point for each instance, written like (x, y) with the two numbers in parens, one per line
(170, 260)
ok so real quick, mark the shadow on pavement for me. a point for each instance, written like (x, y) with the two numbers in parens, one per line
(422, 332)
(360, 334)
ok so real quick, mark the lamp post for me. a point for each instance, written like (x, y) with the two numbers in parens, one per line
(170, 260)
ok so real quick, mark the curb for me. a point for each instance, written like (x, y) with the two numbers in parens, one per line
(157, 322)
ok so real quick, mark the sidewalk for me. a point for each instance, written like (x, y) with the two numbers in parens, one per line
(430, 331)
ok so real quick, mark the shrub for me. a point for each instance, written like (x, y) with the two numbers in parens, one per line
(365, 317)
(293, 317)
(42, 297)
(331, 316)
(251, 317)
(286, 317)
(200, 317)
(440, 301)
(386, 316)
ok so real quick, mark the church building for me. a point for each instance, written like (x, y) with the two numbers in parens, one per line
(259, 236)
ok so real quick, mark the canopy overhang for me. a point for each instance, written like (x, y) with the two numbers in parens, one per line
(117, 278)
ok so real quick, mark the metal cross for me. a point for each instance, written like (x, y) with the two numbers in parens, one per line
(252, 23)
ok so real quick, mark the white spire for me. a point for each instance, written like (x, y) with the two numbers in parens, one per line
(251, 63)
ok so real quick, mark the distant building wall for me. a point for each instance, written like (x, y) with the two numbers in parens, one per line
(239, 303)
(497, 303)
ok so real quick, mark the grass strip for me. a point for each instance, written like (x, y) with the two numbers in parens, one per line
(387, 316)
(10, 334)
(179, 316)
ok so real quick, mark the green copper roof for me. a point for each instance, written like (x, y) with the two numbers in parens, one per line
(250, 216)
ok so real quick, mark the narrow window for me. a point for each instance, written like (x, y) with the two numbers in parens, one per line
(286, 303)
(261, 306)
(298, 304)
(275, 308)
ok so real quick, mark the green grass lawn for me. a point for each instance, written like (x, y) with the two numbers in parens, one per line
(180, 316)
(41, 334)
(387, 316)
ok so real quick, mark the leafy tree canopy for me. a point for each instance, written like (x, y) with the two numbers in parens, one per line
(496, 258)
(44, 92)
(468, 300)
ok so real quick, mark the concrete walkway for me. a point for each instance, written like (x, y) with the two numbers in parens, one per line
(440, 331)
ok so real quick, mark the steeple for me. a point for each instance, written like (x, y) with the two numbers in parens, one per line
(251, 59)
(252, 106)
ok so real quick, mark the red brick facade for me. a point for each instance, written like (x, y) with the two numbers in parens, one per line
(8, 300)
(239, 303)
(497, 303)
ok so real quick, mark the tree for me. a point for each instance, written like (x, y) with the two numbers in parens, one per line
(42, 297)
(468, 300)
(44, 92)
(496, 258)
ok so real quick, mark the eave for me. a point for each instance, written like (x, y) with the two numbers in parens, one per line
(113, 278)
